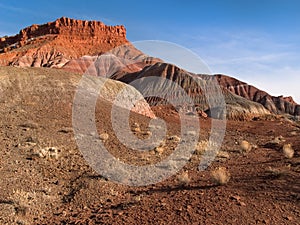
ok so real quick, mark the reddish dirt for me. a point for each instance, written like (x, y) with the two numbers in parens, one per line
(37, 113)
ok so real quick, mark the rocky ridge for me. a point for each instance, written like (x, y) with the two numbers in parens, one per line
(197, 86)
(55, 43)
(275, 104)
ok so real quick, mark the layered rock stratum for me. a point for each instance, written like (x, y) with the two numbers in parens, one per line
(202, 89)
(55, 43)
(275, 104)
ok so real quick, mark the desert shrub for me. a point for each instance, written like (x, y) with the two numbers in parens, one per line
(220, 176)
(201, 147)
(276, 172)
(174, 138)
(184, 178)
(278, 140)
(148, 133)
(49, 153)
(135, 125)
(245, 146)
(159, 150)
(288, 151)
(223, 154)
(136, 128)
(104, 136)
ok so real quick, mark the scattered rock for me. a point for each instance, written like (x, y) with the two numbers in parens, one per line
(278, 140)
(66, 130)
(238, 200)
(223, 154)
(49, 153)
(174, 138)
(30, 125)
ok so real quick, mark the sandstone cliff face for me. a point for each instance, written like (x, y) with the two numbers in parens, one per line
(276, 105)
(203, 90)
(55, 43)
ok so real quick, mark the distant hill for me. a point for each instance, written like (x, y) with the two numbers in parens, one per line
(237, 108)
(76, 45)
(276, 105)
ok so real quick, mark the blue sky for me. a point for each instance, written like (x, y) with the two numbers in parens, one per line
(257, 41)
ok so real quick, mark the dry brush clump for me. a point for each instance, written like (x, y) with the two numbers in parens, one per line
(49, 153)
(201, 147)
(136, 128)
(245, 146)
(220, 176)
(184, 178)
(288, 151)
(159, 150)
(277, 140)
(31, 204)
(147, 133)
(223, 155)
(174, 138)
(276, 172)
(104, 136)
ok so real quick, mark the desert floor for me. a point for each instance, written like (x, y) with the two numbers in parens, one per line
(45, 179)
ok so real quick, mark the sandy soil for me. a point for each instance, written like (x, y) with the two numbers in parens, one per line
(45, 179)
